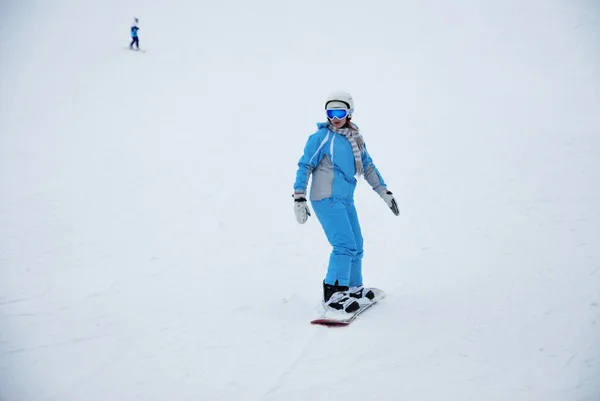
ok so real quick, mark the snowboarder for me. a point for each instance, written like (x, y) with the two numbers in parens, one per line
(334, 155)
(134, 34)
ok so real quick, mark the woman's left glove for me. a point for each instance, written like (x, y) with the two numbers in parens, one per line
(388, 197)
(301, 209)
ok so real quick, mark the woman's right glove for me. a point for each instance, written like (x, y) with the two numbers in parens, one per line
(388, 197)
(301, 209)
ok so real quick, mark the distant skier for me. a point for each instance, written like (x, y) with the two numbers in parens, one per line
(334, 155)
(135, 40)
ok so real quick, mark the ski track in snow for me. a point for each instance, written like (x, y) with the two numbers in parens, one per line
(293, 360)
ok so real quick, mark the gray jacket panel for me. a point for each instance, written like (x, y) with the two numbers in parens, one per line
(322, 180)
(374, 180)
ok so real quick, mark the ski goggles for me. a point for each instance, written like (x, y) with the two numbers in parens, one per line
(338, 114)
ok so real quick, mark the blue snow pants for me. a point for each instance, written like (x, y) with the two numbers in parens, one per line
(339, 220)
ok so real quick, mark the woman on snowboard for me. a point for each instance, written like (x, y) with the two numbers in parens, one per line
(334, 155)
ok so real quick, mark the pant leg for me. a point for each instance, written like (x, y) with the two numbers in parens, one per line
(333, 216)
(132, 42)
(356, 265)
(137, 42)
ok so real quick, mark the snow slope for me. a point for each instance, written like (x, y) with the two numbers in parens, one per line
(148, 249)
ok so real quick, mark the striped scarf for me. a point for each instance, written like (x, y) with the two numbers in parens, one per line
(352, 134)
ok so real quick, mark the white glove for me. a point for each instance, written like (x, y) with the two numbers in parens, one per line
(388, 198)
(301, 209)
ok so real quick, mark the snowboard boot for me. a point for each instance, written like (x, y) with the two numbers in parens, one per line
(362, 294)
(336, 297)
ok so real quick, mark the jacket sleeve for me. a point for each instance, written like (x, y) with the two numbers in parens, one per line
(313, 154)
(372, 175)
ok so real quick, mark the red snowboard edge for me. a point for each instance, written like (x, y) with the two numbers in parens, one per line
(329, 323)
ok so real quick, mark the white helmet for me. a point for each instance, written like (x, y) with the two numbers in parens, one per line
(340, 100)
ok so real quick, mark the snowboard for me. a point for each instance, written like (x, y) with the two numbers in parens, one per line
(133, 49)
(333, 318)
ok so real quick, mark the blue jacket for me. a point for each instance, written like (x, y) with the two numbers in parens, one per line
(134, 30)
(329, 158)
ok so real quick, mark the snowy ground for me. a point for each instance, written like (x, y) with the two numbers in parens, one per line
(148, 248)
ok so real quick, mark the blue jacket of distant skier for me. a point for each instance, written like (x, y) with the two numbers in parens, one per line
(328, 156)
(134, 30)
